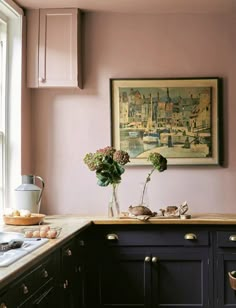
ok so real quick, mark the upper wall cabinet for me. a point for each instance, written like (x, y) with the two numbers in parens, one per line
(53, 48)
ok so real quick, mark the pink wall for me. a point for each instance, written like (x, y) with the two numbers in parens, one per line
(26, 166)
(71, 122)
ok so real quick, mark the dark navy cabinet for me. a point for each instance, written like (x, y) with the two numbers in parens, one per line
(225, 264)
(148, 267)
(132, 266)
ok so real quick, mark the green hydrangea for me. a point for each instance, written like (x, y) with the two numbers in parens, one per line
(108, 164)
(159, 163)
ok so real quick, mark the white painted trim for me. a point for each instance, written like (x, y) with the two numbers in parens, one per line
(13, 7)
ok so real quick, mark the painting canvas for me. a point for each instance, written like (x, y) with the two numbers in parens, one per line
(179, 118)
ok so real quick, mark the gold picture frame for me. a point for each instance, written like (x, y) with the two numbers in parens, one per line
(181, 118)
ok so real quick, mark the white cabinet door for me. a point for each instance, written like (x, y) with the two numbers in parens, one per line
(55, 62)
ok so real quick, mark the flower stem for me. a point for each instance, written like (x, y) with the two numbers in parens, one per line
(148, 179)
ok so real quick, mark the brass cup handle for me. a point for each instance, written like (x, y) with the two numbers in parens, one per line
(112, 237)
(232, 238)
(147, 259)
(190, 236)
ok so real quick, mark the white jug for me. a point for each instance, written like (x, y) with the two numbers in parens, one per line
(28, 195)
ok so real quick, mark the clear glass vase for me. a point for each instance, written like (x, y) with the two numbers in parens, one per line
(144, 200)
(113, 206)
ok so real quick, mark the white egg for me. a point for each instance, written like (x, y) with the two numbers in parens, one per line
(25, 213)
(8, 211)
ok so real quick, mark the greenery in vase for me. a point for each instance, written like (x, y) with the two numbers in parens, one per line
(159, 163)
(108, 163)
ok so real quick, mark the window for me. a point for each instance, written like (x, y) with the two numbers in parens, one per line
(10, 100)
(3, 34)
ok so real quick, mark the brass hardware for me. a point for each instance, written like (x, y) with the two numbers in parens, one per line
(66, 283)
(112, 237)
(45, 274)
(154, 259)
(190, 236)
(232, 238)
(3, 305)
(68, 252)
(25, 289)
(147, 259)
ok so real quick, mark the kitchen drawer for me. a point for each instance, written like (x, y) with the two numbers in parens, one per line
(26, 286)
(186, 237)
(226, 238)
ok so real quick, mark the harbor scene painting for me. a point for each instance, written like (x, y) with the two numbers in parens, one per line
(174, 117)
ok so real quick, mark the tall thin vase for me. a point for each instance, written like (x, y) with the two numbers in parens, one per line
(144, 200)
(113, 206)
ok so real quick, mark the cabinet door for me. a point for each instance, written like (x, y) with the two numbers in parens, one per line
(180, 278)
(58, 48)
(122, 279)
(226, 296)
(53, 48)
(70, 278)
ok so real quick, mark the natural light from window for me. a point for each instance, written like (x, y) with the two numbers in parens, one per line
(10, 100)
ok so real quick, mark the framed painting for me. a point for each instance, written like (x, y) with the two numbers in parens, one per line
(179, 118)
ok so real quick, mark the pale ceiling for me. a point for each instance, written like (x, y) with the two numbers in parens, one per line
(138, 6)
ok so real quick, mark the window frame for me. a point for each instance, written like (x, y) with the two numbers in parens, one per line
(11, 137)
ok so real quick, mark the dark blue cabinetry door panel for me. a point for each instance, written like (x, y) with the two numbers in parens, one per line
(124, 279)
(148, 267)
(181, 279)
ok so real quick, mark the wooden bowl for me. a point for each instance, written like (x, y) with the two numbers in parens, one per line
(34, 219)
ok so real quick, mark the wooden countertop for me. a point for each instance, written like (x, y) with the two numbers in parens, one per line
(71, 224)
(198, 218)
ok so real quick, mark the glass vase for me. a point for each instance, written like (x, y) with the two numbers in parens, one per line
(113, 206)
(144, 200)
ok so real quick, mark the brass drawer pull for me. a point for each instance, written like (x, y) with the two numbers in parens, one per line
(190, 236)
(112, 237)
(232, 238)
(147, 259)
